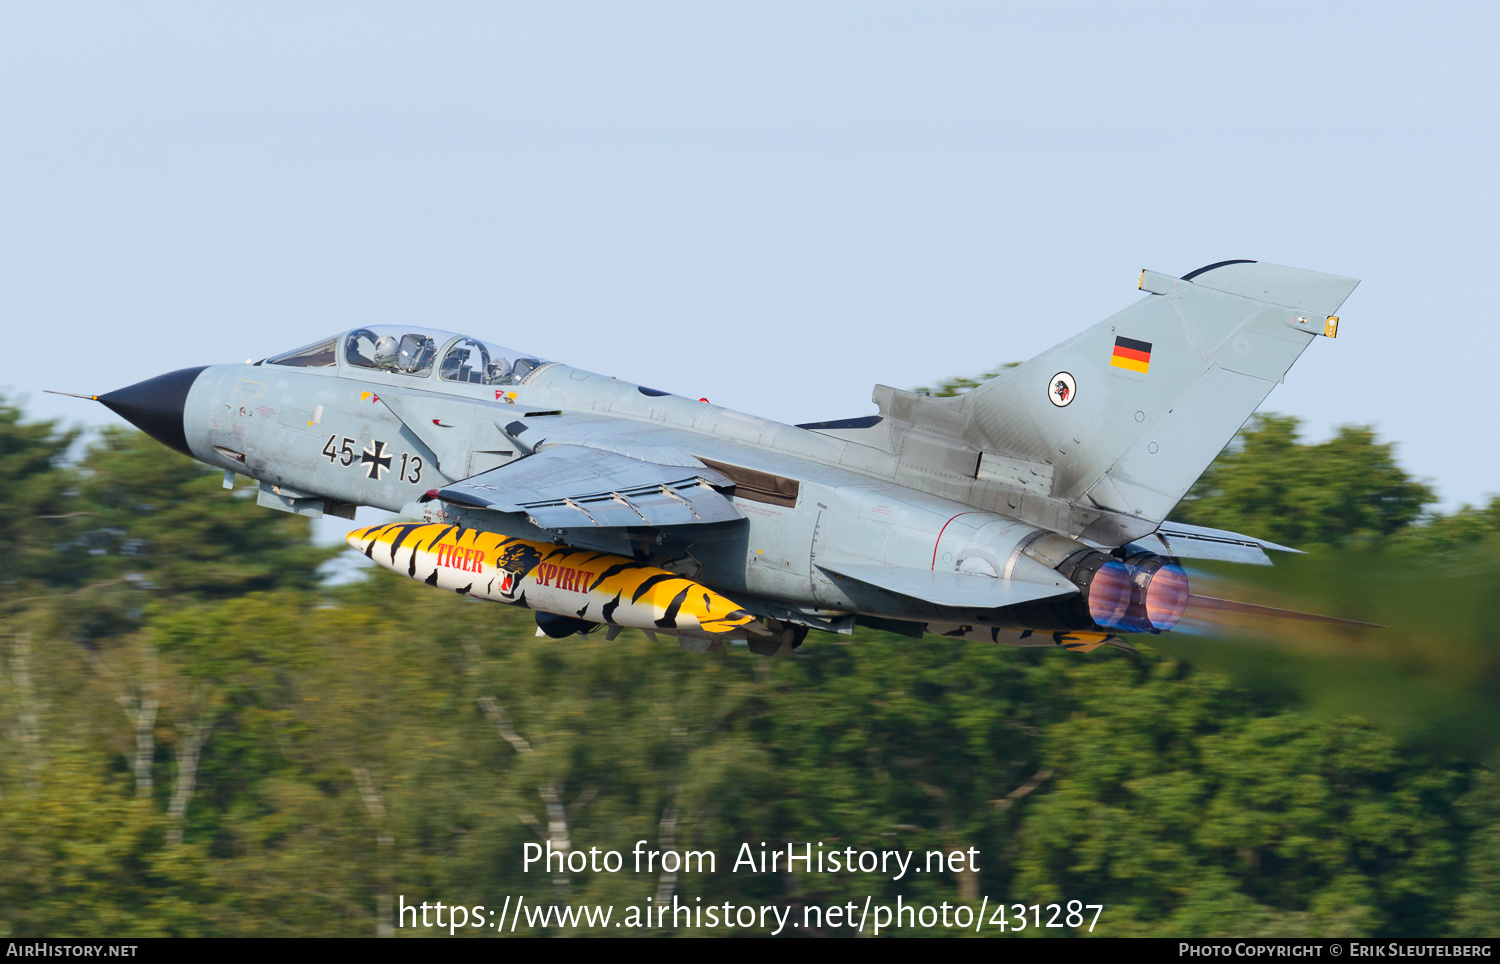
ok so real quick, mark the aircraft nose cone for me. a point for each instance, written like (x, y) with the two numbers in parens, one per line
(155, 406)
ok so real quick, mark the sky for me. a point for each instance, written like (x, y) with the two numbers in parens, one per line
(771, 205)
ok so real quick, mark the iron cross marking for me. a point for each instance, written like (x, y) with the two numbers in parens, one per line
(375, 460)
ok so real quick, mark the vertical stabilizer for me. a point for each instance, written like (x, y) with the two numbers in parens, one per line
(1130, 412)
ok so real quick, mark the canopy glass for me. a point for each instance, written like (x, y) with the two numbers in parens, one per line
(414, 352)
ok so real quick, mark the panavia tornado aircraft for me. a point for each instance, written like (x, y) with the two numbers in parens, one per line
(1030, 511)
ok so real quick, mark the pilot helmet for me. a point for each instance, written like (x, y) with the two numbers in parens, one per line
(386, 347)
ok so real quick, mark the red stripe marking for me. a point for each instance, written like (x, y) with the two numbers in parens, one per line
(1140, 356)
(940, 538)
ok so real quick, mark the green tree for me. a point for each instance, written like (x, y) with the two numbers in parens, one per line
(161, 518)
(1445, 532)
(1189, 811)
(33, 496)
(144, 527)
(1479, 894)
(1270, 484)
(960, 384)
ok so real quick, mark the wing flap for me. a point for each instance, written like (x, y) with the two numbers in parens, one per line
(573, 486)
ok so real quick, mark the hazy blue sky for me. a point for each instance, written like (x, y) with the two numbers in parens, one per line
(772, 205)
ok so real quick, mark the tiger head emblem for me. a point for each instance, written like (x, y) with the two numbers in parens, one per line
(514, 560)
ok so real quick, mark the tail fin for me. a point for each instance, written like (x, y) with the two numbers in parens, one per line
(1130, 412)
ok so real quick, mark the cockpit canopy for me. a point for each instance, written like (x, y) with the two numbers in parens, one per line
(391, 350)
(412, 352)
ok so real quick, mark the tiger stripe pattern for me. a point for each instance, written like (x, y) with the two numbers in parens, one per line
(579, 583)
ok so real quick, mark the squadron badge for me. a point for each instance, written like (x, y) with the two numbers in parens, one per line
(1061, 390)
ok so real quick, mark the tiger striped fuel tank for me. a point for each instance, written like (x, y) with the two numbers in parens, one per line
(578, 583)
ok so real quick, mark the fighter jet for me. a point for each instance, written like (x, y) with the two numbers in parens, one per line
(1031, 511)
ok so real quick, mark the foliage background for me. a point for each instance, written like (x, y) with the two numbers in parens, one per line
(199, 737)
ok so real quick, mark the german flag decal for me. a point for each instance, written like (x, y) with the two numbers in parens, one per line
(1132, 354)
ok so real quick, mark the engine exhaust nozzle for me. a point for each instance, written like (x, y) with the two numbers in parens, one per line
(1158, 594)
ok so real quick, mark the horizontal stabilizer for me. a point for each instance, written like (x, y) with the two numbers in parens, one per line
(572, 486)
(1219, 545)
(957, 590)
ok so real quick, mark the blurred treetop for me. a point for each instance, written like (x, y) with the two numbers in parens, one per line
(958, 385)
(1268, 483)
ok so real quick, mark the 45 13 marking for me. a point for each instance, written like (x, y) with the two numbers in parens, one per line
(373, 458)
